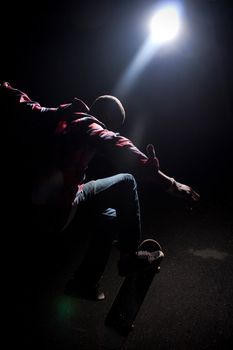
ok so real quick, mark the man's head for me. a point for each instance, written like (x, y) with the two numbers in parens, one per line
(109, 110)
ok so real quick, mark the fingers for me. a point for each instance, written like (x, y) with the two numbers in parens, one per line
(5, 84)
(80, 106)
(187, 191)
(150, 150)
(195, 196)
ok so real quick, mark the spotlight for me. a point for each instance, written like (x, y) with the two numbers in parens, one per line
(165, 24)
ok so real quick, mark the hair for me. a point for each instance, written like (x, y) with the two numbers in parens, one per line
(109, 110)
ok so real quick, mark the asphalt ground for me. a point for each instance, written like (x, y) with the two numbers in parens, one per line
(189, 304)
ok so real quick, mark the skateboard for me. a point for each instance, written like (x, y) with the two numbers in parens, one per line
(119, 321)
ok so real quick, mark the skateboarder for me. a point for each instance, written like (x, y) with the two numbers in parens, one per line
(126, 157)
(64, 140)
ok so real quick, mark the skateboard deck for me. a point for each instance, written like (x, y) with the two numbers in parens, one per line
(122, 314)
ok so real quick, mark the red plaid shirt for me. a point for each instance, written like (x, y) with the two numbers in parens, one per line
(65, 140)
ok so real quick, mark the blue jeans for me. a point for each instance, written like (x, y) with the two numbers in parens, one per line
(103, 207)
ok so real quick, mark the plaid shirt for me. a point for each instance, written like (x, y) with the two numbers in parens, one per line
(64, 140)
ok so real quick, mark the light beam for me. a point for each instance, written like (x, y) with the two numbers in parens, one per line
(165, 25)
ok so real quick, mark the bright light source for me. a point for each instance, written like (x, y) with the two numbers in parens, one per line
(165, 24)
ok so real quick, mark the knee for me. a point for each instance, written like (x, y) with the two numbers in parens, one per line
(128, 181)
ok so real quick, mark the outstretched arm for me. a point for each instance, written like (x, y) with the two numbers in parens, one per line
(29, 112)
(169, 184)
(126, 157)
(12, 98)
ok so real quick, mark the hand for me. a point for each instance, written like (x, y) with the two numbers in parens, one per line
(68, 111)
(4, 84)
(183, 191)
(152, 159)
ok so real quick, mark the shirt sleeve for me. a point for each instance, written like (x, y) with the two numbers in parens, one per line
(12, 98)
(121, 152)
(24, 114)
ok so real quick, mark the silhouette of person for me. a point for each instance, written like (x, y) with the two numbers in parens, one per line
(64, 140)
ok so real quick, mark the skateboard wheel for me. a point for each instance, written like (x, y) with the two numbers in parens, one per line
(150, 245)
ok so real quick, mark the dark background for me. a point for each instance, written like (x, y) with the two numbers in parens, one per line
(182, 100)
(182, 103)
